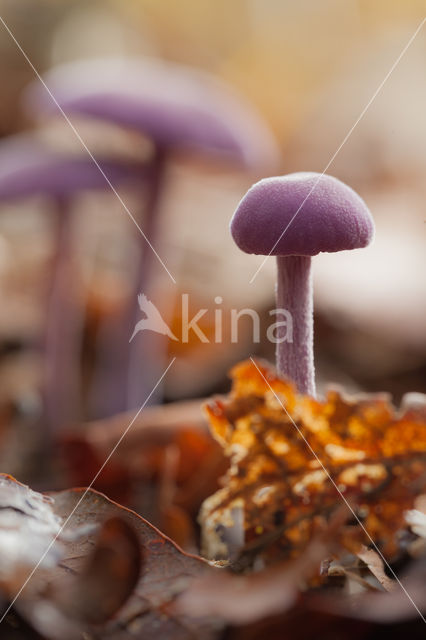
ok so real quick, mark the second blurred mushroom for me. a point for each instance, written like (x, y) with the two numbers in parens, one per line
(177, 109)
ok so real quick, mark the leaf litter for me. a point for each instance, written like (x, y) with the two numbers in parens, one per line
(291, 555)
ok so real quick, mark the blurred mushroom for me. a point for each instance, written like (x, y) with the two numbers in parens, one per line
(27, 168)
(177, 108)
(295, 217)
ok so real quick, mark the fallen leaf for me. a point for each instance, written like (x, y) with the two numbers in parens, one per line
(245, 599)
(375, 563)
(28, 525)
(107, 579)
(406, 601)
(95, 568)
(276, 489)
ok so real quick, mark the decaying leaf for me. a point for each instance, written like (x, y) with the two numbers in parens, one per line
(95, 570)
(277, 602)
(375, 563)
(28, 525)
(276, 489)
(406, 601)
(244, 599)
(108, 577)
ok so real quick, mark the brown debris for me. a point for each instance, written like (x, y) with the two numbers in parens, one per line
(277, 490)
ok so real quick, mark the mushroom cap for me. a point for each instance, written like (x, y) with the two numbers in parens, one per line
(175, 106)
(28, 167)
(330, 216)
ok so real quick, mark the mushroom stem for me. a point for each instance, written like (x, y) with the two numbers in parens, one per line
(127, 372)
(63, 330)
(145, 360)
(295, 359)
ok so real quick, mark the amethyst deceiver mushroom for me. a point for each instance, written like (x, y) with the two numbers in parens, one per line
(295, 217)
(28, 168)
(178, 109)
(175, 106)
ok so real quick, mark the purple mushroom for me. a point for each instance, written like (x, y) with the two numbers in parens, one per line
(295, 217)
(27, 168)
(176, 108)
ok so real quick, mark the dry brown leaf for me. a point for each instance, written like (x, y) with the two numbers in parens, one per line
(28, 525)
(276, 489)
(406, 601)
(95, 568)
(107, 579)
(245, 599)
(375, 563)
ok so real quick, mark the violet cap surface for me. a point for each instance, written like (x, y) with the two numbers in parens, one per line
(174, 105)
(28, 167)
(332, 217)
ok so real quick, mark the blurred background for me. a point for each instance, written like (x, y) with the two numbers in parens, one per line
(304, 72)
